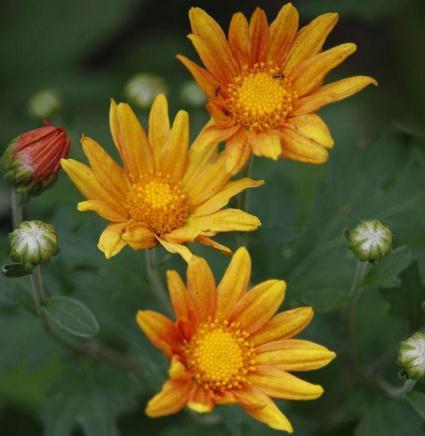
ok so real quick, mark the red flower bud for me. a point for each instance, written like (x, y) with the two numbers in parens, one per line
(32, 161)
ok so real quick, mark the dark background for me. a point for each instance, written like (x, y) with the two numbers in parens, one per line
(87, 50)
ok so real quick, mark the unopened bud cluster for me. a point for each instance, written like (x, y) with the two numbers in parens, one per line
(370, 240)
(33, 243)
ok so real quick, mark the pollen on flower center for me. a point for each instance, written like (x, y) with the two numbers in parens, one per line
(157, 202)
(261, 97)
(220, 356)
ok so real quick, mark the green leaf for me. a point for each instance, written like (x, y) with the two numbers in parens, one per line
(17, 269)
(72, 316)
(389, 418)
(386, 273)
(417, 401)
(406, 301)
(325, 300)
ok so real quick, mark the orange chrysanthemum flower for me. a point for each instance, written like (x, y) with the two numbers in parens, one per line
(265, 83)
(227, 347)
(167, 193)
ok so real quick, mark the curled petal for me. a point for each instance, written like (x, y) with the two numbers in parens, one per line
(110, 241)
(266, 144)
(173, 247)
(312, 127)
(261, 407)
(138, 237)
(211, 243)
(200, 400)
(172, 398)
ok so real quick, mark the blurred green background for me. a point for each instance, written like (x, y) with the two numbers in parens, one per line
(86, 51)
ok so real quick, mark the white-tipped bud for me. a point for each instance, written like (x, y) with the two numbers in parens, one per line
(192, 94)
(33, 243)
(142, 89)
(411, 355)
(370, 240)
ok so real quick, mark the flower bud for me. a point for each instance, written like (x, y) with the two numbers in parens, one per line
(32, 161)
(33, 243)
(370, 240)
(411, 356)
(142, 88)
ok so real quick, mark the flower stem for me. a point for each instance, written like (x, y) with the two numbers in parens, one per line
(396, 391)
(90, 348)
(17, 208)
(154, 277)
(242, 199)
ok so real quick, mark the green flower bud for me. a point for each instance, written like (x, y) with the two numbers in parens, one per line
(33, 243)
(370, 240)
(142, 88)
(411, 355)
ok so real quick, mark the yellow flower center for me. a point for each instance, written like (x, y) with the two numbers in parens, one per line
(220, 356)
(157, 202)
(261, 97)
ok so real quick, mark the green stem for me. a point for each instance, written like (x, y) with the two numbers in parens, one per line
(242, 199)
(17, 208)
(396, 391)
(89, 348)
(154, 277)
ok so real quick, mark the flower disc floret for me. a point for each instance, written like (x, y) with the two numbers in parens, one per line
(158, 203)
(220, 356)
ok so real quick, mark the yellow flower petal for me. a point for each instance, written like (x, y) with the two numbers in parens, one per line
(310, 40)
(132, 141)
(258, 305)
(182, 235)
(262, 408)
(285, 325)
(233, 284)
(106, 171)
(205, 79)
(102, 209)
(173, 247)
(178, 295)
(226, 220)
(159, 329)
(211, 243)
(310, 74)
(294, 355)
(110, 241)
(210, 32)
(266, 144)
(298, 147)
(177, 370)
(281, 384)
(218, 201)
(83, 178)
(239, 41)
(333, 92)
(259, 35)
(311, 126)
(200, 400)
(138, 237)
(237, 152)
(282, 33)
(204, 150)
(174, 151)
(170, 400)
(159, 126)
(201, 288)
(210, 181)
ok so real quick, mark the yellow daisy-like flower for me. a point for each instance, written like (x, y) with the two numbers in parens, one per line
(265, 83)
(227, 346)
(167, 193)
